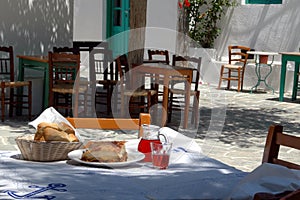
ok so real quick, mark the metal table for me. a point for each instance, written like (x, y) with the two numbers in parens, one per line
(285, 57)
(259, 63)
(39, 63)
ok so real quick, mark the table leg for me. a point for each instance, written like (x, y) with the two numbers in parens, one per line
(266, 77)
(20, 89)
(282, 77)
(46, 86)
(187, 102)
(165, 101)
(295, 84)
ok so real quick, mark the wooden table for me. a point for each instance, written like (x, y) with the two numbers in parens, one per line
(39, 63)
(259, 55)
(285, 57)
(167, 72)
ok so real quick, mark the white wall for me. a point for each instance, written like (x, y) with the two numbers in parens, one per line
(89, 20)
(33, 27)
(161, 24)
(262, 27)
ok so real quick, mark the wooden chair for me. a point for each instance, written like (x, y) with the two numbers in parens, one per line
(68, 50)
(112, 123)
(179, 102)
(276, 139)
(14, 100)
(103, 76)
(158, 56)
(64, 80)
(234, 71)
(134, 96)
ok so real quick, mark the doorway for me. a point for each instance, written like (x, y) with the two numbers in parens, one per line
(118, 12)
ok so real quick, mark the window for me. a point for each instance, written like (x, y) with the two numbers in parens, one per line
(263, 1)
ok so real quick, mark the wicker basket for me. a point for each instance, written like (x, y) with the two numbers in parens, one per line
(45, 151)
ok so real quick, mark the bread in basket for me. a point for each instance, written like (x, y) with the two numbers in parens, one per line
(51, 142)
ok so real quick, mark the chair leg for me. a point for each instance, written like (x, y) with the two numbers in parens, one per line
(149, 102)
(170, 109)
(29, 100)
(221, 76)
(229, 77)
(242, 80)
(2, 103)
(195, 115)
(11, 101)
(108, 99)
(239, 80)
(123, 99)
(75, 110)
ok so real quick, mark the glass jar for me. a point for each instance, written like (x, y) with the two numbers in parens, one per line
(150, 134)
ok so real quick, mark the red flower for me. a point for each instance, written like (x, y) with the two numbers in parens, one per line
(180, 4)
(187, 3)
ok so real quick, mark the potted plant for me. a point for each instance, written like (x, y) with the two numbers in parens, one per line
(202, 17)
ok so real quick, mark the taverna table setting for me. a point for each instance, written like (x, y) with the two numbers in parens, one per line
(189, 175)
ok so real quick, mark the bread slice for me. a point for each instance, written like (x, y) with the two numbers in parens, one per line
(105, 151)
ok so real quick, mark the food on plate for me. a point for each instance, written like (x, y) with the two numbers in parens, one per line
(55, 132)
(105, 151)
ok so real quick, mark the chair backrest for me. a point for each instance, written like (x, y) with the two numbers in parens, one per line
(161, 56)
(69, 50)
(90, 45)
(101, 65)
(112, 123)
(276, 139)
(63, 68)
(123, 70)
(191, 62)
(6, 63)
(238, 54)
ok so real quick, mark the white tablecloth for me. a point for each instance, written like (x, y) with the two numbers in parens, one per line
(269, 178)
(204, 179)
(191, 175)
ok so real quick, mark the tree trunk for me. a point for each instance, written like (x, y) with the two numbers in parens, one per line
(182, 45)
(138, 11)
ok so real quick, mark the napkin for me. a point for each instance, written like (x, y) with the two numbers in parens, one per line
(184, 149)
(269, 178)
(51, 115)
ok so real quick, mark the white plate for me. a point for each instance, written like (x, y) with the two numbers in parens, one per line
(133, 157)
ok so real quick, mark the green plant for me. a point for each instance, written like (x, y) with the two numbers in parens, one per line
(203, 17)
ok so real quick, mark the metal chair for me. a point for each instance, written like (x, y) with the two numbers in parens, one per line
(235, 69)
(18, 100)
